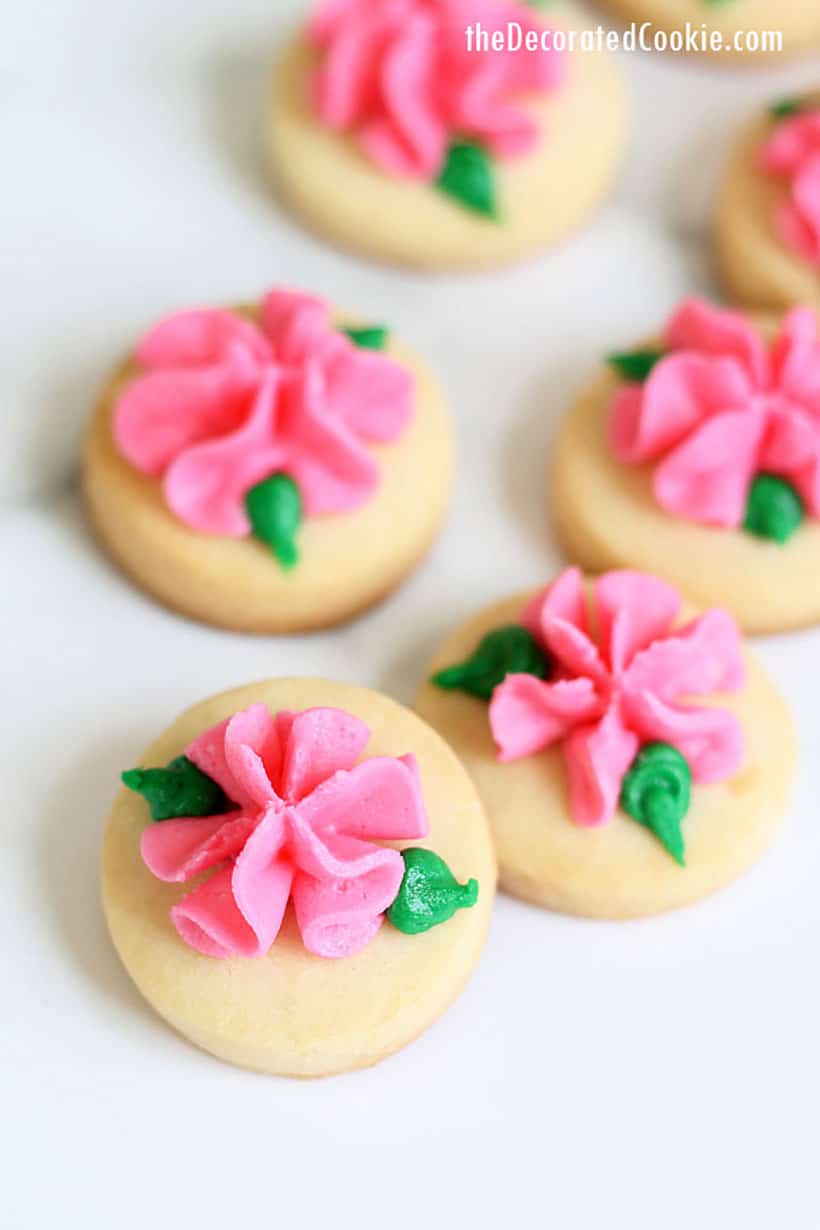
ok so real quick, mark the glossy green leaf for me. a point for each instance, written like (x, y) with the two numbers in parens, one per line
(468, 177)
(657, 791)
(505, 651)
(275, 510)
(635, 365)
(178, 790)
(373, 337)
(786, 108)
(773, 509)
(429, 893)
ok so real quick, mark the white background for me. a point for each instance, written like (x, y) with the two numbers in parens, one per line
(659, 1074)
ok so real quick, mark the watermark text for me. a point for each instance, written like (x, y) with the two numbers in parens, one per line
(690, 38)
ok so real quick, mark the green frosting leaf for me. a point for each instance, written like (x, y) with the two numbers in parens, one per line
(505, 651)
(373, 337)
(773, 508)
(429, 894)
(178, 790)
(635, 365)
(468, 177)
(656, 792)
(275, 510)
(786, 108)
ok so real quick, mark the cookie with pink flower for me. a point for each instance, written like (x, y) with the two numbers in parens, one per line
(632, 757)
(444, 134)
(767, 223)
(696, 456)
(298, 876)
(250, 467)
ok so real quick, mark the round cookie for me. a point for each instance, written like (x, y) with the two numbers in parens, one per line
(618, 869)
(798, 22)
(538, 193)
(760, 262)
(381, 491)
(607, 511)
(290, 1011)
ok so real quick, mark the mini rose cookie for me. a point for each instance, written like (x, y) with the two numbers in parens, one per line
(726, 25)
(698, 458)
(611, 792)
(300, 876)
(767, 225)
(270, 470)
(396, 132)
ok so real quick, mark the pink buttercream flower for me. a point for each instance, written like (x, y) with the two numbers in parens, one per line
(792, 153)
(723, 407)
(226, 403)
(305, 817)
(399, 74)
(620, 689)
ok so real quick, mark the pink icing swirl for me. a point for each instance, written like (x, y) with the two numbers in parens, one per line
(224, 403)
(303, 830)
(399, 75)
(622, 688)
(792, 154)
(721, 408)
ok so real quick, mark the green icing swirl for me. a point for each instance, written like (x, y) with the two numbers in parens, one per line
(467, 176)
(177, 791)
(656, 792)
(786, 108)
(505, 651)
(635, 365)
(429, 893)
(773, 509)
(275, 511)
(370, 337)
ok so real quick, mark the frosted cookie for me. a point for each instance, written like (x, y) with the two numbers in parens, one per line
(724, 26)
(610, 790)
(767, 225)
(698, 458)
(396, 132)
(298, 877)
(270, 470)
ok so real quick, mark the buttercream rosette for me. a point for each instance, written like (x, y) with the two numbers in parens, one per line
(422, 104)
(611, 685)
(301, 823)
(223, 404)
(729, 423)
(792, 154)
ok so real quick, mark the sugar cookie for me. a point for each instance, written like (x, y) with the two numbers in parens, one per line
(269, 470)
(698, 458)
(611, 793)
(310, 947)
(767, 223)
(390, 136)
(730, 22)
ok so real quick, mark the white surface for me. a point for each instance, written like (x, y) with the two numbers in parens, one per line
(661, 1074)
